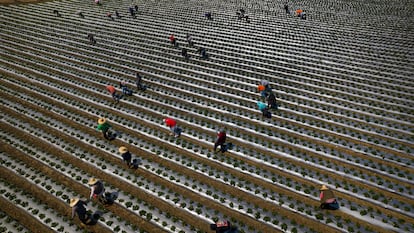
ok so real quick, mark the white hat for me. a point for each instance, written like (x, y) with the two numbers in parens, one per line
(73, 202)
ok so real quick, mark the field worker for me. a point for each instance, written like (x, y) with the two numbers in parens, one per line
(56, 12)
(173, 40)
(172, 124)
(203, 53)
(302, 15)
(98, 191)
(126, 155)
(91, 39)
(78, 207)
(220, 140)
(113, 92)
(138, 82)
(104, 126)
(298, 12)
(184, 53)
(79, 12)
(190, 40)
(97, 188)
(327, 199)
(131, 11)
(287, 9)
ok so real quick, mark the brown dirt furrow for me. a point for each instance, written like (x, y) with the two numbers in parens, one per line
(24, 218)
(261, 166)
(53, 202)
(79, 188)
(230, 171)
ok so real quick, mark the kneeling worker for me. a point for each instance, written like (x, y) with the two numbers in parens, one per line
(327, 199)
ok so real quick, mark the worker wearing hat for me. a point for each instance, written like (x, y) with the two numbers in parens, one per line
(97, 188)
(126, 155)
(327, 199)
(111, 89)
(104, 126)
(175, 130)
(78, 207)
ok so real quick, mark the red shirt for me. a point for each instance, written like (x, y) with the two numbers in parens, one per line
(172, 38)
(170, 122)
(221, 137)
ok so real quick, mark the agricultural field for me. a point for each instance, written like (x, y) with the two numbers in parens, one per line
(343, 78)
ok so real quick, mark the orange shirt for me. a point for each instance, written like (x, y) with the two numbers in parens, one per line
(111, 89)
(260, 88)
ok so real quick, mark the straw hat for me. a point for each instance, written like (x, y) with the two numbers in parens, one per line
(92, 181)
(101, 120)
(323, 188)
(122, 149)
(73, 202)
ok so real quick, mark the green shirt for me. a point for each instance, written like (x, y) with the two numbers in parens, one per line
(103, 127)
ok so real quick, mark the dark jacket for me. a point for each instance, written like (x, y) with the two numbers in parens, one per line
(80, 210)
(98, 188)
(127, 157)
(271, 101)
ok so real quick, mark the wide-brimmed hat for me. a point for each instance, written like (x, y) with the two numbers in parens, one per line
(323, 188)
(122, 149)
(73, 202)
(101, 120)
(92, 181)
